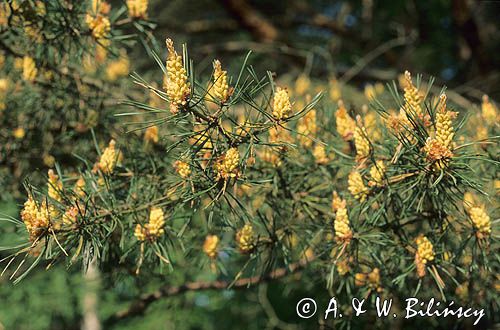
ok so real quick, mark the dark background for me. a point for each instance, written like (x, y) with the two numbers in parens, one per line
(456, 41)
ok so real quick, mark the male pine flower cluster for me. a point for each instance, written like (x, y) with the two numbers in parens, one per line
(343, 231)
(245, 239)
(154, 228)
(346, 125)
(35, 217)
(176, 82)
(412, 97)
(444, 128)
(319, 154)
(481, 221)
(40, 217)
(227, 165)
(108, 159)
(281, 104)
(356, 186)
(489, 111)
(210, 246)
(29, 69)
(424, 254)
(182, 168)
(151, 135)
(371, 279)
(361, 142)
(137, 8)
(377, 172)
(337, 202)
(118, 68)
(411, 111)
(343, 267)
(97, 20)
(307, 128)
(4, 87)
(372, 127)
(439, 149)
(221, 87)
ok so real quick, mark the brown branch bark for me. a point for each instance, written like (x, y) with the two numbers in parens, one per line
(143, 302)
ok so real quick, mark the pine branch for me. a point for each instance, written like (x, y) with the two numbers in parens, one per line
(142, 303)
